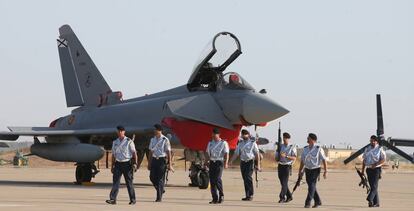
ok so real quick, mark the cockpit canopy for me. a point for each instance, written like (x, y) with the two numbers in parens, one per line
(208, 75)
(232, 80)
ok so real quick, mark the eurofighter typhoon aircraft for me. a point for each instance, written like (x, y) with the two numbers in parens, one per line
(211, 98)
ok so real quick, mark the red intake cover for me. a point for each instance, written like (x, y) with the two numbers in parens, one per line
(196, 135)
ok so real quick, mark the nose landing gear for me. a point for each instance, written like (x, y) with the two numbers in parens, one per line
(198, 172)
(199, 176)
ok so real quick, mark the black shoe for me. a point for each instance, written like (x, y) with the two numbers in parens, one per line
(370, 204)
(281, 201)
(132, 202)
(288, 199)
(213, 202)
(316, 205)
(247, 199)
(375, 205)
(307, 206)
(158, 200)
(111, 201)
(221, 200)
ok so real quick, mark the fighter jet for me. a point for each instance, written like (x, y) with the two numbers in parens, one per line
(211, 98)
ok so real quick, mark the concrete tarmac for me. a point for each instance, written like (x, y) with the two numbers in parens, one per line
(53, 189)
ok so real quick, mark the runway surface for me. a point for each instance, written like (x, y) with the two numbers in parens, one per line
(53, 189)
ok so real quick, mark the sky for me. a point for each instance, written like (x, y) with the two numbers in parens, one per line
(323, 60)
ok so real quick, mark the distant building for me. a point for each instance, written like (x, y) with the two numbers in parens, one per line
(334, 153)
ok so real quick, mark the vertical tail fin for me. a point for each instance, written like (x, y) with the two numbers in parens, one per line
(84, 85)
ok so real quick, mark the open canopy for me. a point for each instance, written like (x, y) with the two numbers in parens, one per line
(215, 58)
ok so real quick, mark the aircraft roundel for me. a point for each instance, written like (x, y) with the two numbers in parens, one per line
(71, 119)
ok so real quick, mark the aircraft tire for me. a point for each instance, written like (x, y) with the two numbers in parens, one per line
(194, 181)
(203, 180)
(83, 173)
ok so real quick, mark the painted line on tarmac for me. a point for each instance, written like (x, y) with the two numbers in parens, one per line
(15, 205)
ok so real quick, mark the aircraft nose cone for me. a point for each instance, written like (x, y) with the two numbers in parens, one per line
(257, 109)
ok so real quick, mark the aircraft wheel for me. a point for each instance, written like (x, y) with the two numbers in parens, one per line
(83, 173)
(194, 181)
(194, 177)
(204, 180)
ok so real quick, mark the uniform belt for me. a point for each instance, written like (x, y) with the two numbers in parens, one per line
(374, 167)
(285, 164)
(312, 168)
(214, 161)
(157, 158)
(246, 161)
(123, 161)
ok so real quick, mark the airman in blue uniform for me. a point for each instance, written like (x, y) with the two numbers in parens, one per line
(374, 157)
(124, 162)
(160, 162)
(248, 151)
(287, 158)
(311, 159)
(217, 157)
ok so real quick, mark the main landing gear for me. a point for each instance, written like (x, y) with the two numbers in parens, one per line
(85, 172)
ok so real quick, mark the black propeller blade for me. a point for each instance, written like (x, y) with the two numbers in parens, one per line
(398, 151)
(355, 155)
(380, 121)
(402, 142)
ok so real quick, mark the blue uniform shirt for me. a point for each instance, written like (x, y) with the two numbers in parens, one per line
(247, 149)
(160, 146)
(373, 155)
(217, 149)
(289, 150)
(123, 149)
(313, 157)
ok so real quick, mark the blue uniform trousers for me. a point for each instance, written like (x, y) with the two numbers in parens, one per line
(373, 178)
(215, 173)
(246, 169)
(312, 176)
(122, 168)
(157, 175)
